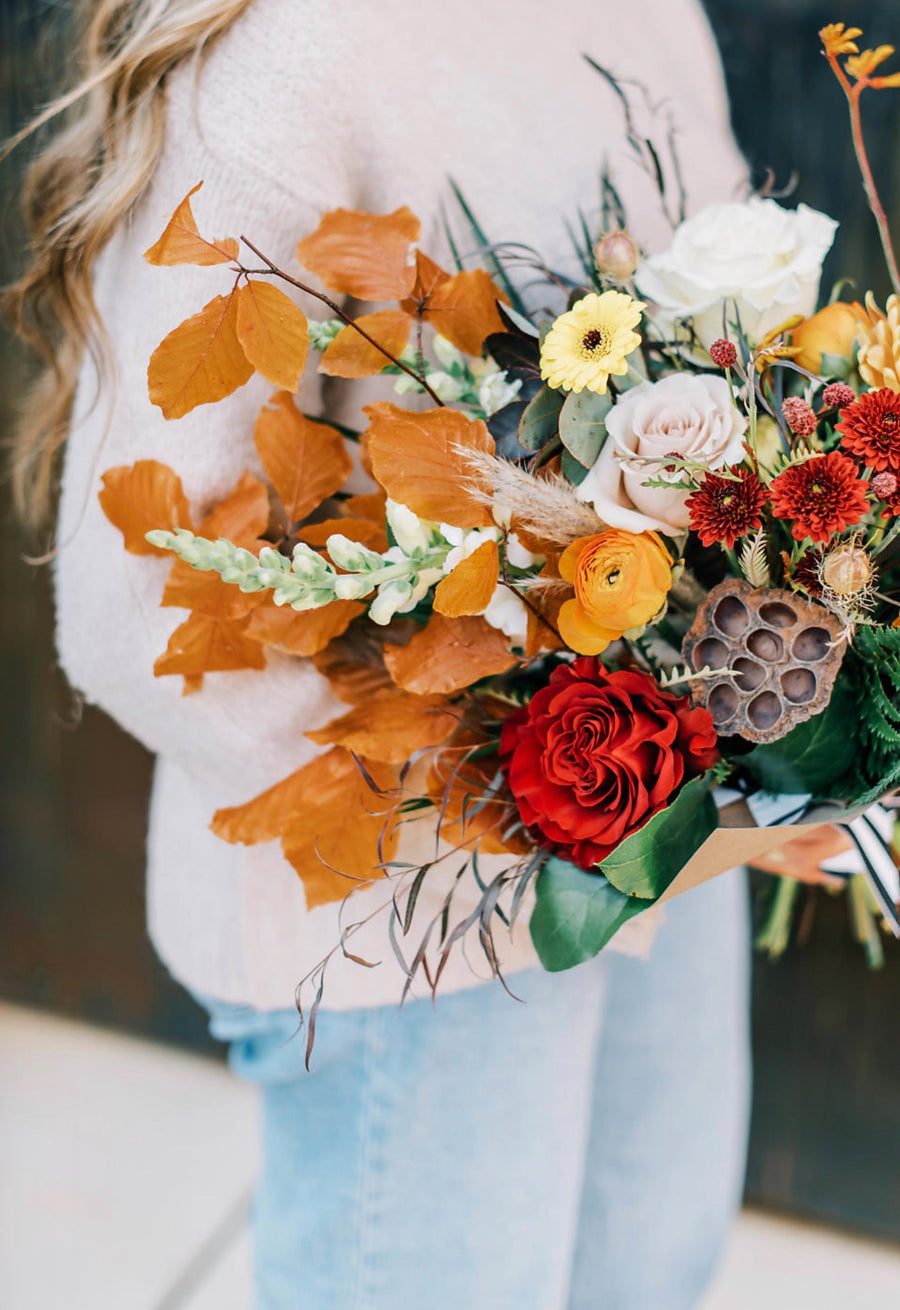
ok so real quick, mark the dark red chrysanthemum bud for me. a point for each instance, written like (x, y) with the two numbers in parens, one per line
(837, 395)
(799, 416)
(723, 353)
(884, 485)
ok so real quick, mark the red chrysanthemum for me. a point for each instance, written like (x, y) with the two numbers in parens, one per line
(805, 572)
(824, 495)
(595, 754)
(723, 510)
(870, 430)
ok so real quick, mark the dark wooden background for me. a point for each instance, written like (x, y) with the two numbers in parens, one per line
(73, 788)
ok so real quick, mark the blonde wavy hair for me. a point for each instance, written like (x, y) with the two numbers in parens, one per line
(77, 191)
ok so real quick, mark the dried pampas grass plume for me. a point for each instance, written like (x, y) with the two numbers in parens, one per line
(545, 507)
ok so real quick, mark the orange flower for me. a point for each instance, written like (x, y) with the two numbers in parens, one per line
(621, 580)
(830, 332)
(839, 40)
(862, 66)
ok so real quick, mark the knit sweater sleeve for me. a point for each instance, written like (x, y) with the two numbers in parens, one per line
(244, 730)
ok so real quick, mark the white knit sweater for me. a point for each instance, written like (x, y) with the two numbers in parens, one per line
(304, 106)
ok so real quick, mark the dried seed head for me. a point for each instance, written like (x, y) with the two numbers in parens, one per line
(847, 572)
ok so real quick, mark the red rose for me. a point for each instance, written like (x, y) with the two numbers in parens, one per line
(595, 754)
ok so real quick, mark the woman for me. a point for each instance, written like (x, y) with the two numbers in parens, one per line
(585, 1148)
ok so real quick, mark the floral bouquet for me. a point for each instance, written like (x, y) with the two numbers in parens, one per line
(620, 605)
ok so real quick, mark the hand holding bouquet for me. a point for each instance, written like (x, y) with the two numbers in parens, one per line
(632, 576)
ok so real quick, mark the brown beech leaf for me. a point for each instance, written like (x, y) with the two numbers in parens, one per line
(429, 275)
(462, 787)
(265, 817)
(418, 459)
(302, 632)
(273, 333)
(204, 592)
(350, 355)
(372, 505)
(363, 255)
(242, 518)
(362, 530)
(354, 667)
(543, 633)
(390, 727)
(200, 362)
(469, 587)
(333, 840)
(181, 242)
(448, 654)
(143, 496)
(464, 309)
(205, 644)
(306, 461)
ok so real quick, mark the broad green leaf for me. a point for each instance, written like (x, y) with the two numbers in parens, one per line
(646, 862)
(540, 420)
(815, 756)
(582, 424)
(575, 472)
(576, 914)
(835, 366)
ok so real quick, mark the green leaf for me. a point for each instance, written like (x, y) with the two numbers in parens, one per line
(646, 862)
(576, 914)
(575, 472)
(489, 259)
(815, 756)
(835, 366)
(540, 421)
(582, 424)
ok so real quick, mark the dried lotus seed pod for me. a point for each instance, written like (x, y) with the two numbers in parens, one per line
(778, 653)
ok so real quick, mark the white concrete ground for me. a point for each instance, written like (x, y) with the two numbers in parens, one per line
(125, 1174)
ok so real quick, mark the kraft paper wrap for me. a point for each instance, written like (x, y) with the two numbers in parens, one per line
(738, 841)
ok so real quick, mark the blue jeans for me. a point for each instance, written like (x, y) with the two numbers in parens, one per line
(581, 1151)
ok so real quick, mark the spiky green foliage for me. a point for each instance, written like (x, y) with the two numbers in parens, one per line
(874, 666)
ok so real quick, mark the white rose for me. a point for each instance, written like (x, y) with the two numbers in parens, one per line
(683, 414)
(766, 258)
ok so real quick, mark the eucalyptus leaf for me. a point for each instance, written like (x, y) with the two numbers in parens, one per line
(835, 366)
(540, 421)
(572, 469)
(645, 863)
(576, 914)
(813, 757)
(582, 424)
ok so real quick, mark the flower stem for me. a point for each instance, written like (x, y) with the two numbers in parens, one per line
(853, 94)
(335, 308)
(872, 196)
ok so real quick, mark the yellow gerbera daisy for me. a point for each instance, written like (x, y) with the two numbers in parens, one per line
(591, 341)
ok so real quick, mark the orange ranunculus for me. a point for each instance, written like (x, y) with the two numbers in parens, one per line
(620, 579)
(832, 331)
